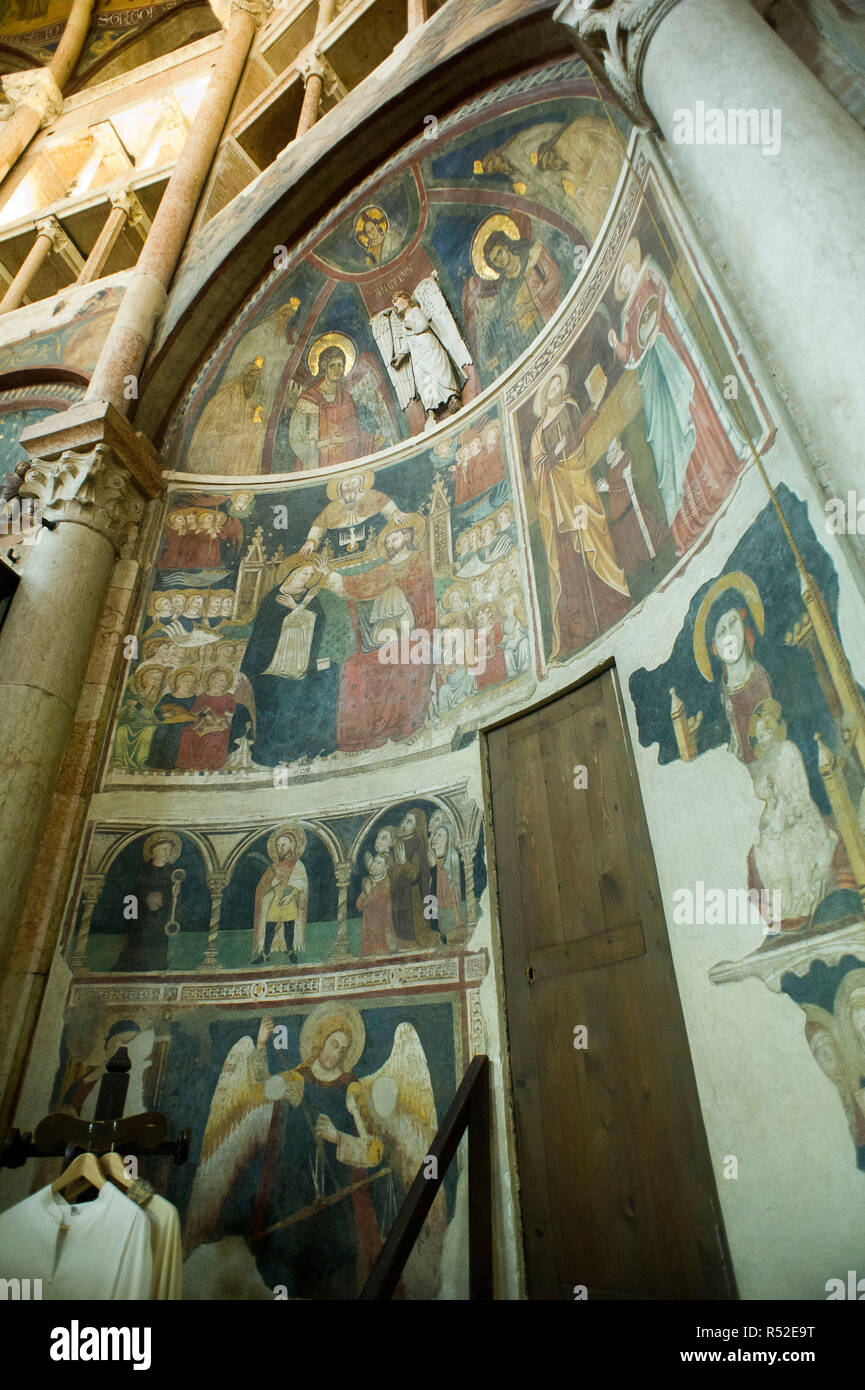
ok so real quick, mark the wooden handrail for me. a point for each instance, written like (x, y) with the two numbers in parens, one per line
(470, 1109)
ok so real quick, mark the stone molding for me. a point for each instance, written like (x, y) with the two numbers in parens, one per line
(613, 37)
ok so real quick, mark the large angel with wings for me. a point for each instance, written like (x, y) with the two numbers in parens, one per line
(335, 1154)
(423, 349)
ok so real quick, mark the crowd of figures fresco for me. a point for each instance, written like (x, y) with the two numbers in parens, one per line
(438, 277)
(281, 626)
(319, 974)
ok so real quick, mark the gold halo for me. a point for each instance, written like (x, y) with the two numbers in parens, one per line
(499, 222)
(368, 214)
(182, 671)
(331, 340)
(328, 1018)
(156, 838)
(218, 671)
(630, 256)
(290, 563)
(291, 828)
(332, 488)
(539, 401)
(414, 522)
(751, 594)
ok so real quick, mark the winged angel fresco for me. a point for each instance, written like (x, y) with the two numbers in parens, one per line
(422, 349)
(335, 1152)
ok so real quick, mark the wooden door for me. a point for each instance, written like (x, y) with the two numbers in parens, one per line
(617, 1189)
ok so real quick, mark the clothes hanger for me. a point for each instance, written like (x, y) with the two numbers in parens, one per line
(113, 1167)
(83, 1171)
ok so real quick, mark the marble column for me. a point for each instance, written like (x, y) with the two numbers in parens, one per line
(217, 882)
(312, 72)
(125, 208)
(91, 480)
(788, 224)
(47, 232)
(128, 341)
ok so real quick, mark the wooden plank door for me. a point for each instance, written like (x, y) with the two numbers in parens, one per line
(617, 1189)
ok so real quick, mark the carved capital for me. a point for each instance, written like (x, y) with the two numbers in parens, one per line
(613, 36)
(35, 88)
(50, 227)
(260, 10)
(89, 487)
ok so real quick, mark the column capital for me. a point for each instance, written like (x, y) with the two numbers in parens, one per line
(259, 10)
(613, 36)
(90, 467)
(36, 88)
(90, 487)
(50, 227)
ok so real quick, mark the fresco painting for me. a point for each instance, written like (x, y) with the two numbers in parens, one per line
(629, 445)
(404, 878)
(268, 638)
(418, 297)
(309, 1123)
(759, 670)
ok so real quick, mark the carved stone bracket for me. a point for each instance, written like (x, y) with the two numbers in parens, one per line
(35, 88)
(613, 36)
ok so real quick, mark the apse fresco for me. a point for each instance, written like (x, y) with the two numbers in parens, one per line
(75, 343)
(376, 883)
(283, 628)
(403, 307)
(759, 671)
(310, 1121)
(633, 440)
(317, 976)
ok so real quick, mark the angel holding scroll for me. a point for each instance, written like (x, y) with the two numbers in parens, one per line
(422, 349)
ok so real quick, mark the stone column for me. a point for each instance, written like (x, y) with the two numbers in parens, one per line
(312, 72)
(91, 474)
(416, 13)
(125, 207)
(47, 232)
(127, 344)
(37, 94)
(789, 224)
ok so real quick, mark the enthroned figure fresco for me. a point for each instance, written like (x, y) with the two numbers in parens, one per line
(515, 290)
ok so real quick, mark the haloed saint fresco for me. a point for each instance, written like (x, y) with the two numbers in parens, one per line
(398, 879)
(631, 443)
(270, 637)
(759, 671)
(309, 1124)
(397, 312)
